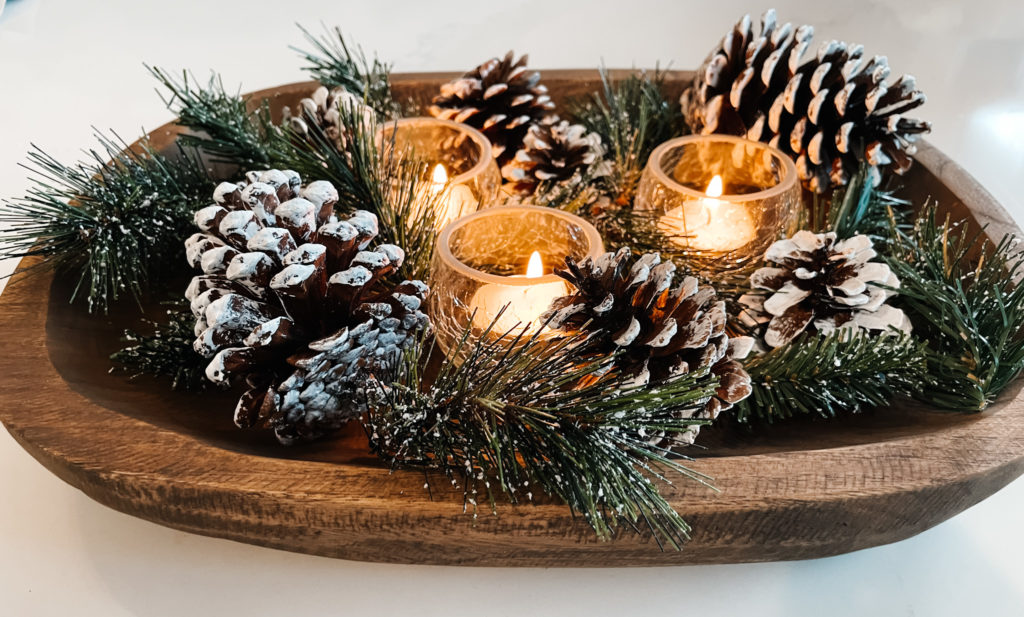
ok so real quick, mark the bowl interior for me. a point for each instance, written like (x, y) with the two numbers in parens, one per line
(78, 345)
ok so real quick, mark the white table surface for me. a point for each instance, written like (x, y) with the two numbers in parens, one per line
(66, 65)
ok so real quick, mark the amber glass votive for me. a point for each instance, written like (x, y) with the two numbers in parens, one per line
(501, 260)
(459, 158)
(720, 200)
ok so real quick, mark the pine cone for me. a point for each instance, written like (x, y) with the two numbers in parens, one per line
(500, 98)
(663, 330)
(824, 284)
(555, 152)
(323, 108)
(292, 301)
(830, 114)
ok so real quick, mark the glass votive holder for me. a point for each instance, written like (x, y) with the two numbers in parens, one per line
(459, 159)
(500, 261)
(719, 200)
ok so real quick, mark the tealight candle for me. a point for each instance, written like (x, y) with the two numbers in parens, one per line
(721, 200)
(518, 305)
(492, 271)
(452, 149)
(457, 199)
(714, 224)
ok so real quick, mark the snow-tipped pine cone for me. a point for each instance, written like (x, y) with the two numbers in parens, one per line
(818, 283)
(295, 303)
(662, 325)
(831, 113)
(501, 98)
(553, 152)
(324, 109)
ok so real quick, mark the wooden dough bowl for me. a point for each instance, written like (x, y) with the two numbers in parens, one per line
(800, 490)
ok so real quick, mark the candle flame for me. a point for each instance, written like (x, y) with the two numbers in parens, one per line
(440, 177)
(714, 187)
(535, 268)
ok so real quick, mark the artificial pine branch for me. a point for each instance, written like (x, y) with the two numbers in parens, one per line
(166, 352)
(962, 295)
(632, 117)
(522, 415)
(116, 220)
(825, 375)
(858, 207)
(222, 124)
(377, 176)
(335, 65)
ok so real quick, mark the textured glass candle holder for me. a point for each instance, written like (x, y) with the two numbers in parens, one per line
(720, 201)
(481, 267)
(472, 176)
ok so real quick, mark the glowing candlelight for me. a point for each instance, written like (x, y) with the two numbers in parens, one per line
(523, 302)
(457, 200)
(709, 224)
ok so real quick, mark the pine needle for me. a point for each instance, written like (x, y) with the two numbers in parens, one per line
(335, 65)
(825, 375)
(962, 295)
(116, 220)
(165, 352)
(222, 124)
(521, 416)
(632, 117)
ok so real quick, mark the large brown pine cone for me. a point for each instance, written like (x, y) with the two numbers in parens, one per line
(831, 114)
(821, 284)
(501, 98)
(552, 152)
(664, 327)
(295, 303)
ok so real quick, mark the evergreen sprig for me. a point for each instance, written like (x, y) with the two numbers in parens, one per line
(116, 220)
(335, 65)
(632, 116)
(379, 177)
(859, 207)
(961, 292)
(165, 352)
(522, 415)
(222, 124)
(825, 375)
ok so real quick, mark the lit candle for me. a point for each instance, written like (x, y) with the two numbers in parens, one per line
(500, 260)
(457, 201)
(523, 302)
(709, 224)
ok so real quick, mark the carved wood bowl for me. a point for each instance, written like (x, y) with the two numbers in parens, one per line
(797, 490)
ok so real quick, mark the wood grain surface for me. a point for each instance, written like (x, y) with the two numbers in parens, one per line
(800, 490)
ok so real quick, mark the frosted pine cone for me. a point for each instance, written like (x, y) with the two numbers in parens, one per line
(556, 152)
(501, 98)
(324, 108)
(822, 284)
(831, 114)
(295, 303)
(664, 327)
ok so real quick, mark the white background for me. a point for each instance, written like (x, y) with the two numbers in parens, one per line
(66, 65)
